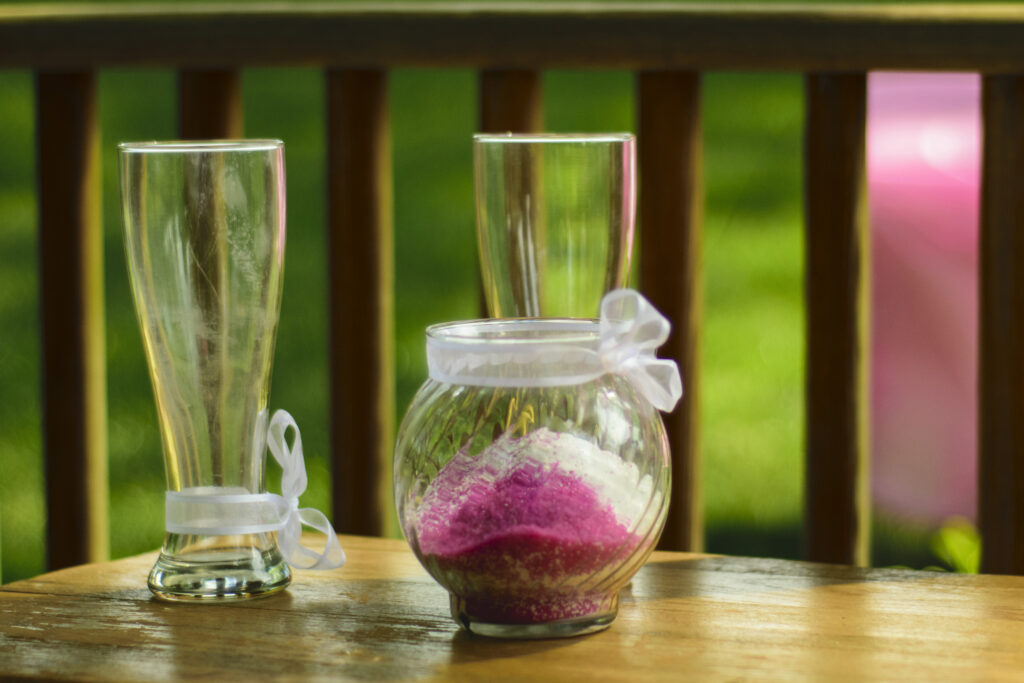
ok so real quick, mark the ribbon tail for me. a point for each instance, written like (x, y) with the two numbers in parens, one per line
(659, 381)
(302, 557)
(288, 537)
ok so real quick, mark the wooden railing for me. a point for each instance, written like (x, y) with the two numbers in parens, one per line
(668, 46)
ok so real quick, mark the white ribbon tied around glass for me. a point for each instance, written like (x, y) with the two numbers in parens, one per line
(224, 511)
(561, 352)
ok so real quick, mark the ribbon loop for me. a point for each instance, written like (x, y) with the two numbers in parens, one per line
(290, 458)
(293, 485)
(631, 330)
(222, 511)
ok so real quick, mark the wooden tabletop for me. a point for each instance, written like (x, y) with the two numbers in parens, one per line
(381, 617)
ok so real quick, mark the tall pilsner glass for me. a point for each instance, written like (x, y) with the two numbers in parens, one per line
(204, 231)
(555, 218)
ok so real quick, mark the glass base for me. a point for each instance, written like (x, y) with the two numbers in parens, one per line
(556, 628)
(212, 573)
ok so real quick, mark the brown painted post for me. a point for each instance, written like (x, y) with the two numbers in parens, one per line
(209, 104)
(1001, 328)
(73, 333)
(670, 208)
(361, 268)
(835, 485)
(511, 101)
(209, 108)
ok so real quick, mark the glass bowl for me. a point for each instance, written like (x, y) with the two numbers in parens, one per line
(530, 481)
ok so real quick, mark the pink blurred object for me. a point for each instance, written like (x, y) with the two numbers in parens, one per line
(923, 157)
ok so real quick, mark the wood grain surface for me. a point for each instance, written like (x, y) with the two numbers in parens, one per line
(518, 35)
(381, 618)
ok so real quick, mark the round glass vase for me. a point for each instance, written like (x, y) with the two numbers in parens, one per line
(528, 489)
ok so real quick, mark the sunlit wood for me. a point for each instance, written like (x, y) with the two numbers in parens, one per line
(684, 617)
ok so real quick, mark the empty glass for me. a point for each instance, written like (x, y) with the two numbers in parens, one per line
(204, 231)
(555, 216)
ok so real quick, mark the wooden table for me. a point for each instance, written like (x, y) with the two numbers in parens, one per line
(685, 616)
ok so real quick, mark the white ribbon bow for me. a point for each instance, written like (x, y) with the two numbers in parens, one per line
(631, 330)
(293, 485)
(222, 511)
(561, 352)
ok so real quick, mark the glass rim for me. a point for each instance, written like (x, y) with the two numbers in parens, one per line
(517, 332)
(542, 138)
(225, 145)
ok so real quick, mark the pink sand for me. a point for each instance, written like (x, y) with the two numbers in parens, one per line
(515, 547)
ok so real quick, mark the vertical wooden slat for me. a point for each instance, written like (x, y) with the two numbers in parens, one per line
(71, 299)
(510, 101)
(1001, 328)
(360, 237)
(209, 107)
(669, 156)
(835, 486)
(209, 104)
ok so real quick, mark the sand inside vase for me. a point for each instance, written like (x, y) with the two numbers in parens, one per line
(533, 528)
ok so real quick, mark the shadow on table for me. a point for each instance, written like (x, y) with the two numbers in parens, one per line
(362, 629)
(319, 628)
(467, 647)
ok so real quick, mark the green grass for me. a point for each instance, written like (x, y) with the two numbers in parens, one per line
(752, 367)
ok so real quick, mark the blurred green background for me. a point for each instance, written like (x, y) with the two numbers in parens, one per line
(752, 364)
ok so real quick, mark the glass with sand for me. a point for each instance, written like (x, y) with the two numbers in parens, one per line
(532, 468)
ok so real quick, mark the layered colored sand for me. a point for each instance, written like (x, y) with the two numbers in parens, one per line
(529, 530)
